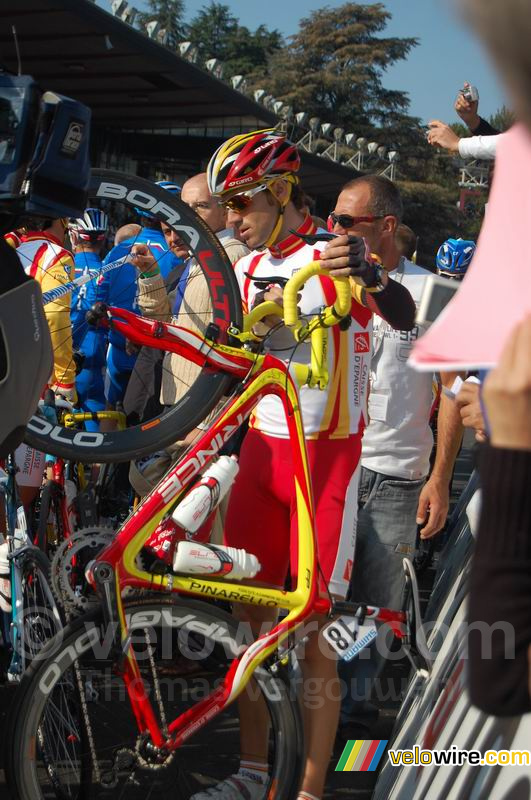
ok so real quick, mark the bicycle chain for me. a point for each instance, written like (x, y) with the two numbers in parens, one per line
(156, 684)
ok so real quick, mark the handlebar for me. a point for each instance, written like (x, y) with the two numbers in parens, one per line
(331, 314)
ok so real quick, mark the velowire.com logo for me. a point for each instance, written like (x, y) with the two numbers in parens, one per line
(361, 755)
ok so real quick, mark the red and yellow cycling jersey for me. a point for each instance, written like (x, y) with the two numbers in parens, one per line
(341, 409)
(44, 258)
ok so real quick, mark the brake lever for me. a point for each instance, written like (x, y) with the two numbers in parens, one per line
(313, 238)
(265, 281)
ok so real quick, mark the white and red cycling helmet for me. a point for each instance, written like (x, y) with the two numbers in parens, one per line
(250, 159)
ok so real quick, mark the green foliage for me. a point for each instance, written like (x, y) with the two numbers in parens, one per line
(217, 34)
(169, 14)
(503, 119)
(333, 68)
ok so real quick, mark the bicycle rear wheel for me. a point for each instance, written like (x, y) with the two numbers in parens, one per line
(184, 649)
(121, 196)
(39, 619)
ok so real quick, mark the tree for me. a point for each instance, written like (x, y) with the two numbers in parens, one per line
(169, 14)
(503, 119)
(217, 34)
(333, 69)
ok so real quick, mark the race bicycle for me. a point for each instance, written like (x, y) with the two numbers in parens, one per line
(137, 697)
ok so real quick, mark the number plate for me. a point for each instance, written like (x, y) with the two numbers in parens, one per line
(348, 638)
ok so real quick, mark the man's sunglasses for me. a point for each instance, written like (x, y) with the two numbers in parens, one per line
(240, 202)
(346, 221)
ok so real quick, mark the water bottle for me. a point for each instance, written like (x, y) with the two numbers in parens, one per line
(217, 560)
(207, 494)
(5, 577)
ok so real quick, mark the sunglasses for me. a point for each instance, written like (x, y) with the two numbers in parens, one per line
(240, 202)
(346, 221)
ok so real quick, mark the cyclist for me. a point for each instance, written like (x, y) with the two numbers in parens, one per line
(43, 256)
(454, 257)
(255, 175)
(87, 235)
(121, 291)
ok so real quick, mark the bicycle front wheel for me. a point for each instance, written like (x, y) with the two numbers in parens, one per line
(210, 294)
(74, 730)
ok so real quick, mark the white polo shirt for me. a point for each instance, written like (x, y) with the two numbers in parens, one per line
(398, 440)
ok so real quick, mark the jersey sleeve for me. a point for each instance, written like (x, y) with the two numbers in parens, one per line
(57, 273)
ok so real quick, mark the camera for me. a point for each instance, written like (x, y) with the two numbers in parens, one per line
(44, 151)
(470, 93)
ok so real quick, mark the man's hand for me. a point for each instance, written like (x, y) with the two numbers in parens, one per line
(469, 406)
(507, 392)
(143, 259)
(468, 111)
(349, 257)
(434, 502)
(441, 135)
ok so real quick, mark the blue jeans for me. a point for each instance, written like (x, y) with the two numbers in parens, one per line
(387, 532)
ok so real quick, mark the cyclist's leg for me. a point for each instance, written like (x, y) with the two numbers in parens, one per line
(257, 521)
(334, 469)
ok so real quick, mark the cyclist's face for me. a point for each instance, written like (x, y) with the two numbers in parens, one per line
(356, 202)
(256, 222)
(174, 242)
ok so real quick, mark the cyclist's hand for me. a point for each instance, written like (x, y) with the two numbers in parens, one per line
(349, 257)
(441, 135)
(65, 390)
(468, 111)
(143, 259)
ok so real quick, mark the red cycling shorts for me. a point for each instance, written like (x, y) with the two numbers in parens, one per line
(261, 516)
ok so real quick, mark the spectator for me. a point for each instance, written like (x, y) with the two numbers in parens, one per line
(468, 111)
(483, 142)
(480, 147)
(500, 586)
(393, 493)
(406, 242)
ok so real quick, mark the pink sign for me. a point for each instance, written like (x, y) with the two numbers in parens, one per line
(496, 293)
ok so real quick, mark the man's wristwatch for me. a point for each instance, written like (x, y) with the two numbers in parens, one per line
(379, 286)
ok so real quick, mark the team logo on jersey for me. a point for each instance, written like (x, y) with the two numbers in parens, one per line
(362, 343)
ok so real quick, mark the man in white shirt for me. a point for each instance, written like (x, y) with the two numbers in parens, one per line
(394, 496)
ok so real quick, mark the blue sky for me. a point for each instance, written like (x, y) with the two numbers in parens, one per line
(448, 53)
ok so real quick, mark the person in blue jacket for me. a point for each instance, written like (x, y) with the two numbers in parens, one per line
(87, 235)
(121, 291)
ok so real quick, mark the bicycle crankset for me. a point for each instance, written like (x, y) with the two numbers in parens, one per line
(68, 567)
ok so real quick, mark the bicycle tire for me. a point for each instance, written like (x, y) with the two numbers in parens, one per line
(41, 616)
(185, 627)
(203, 395)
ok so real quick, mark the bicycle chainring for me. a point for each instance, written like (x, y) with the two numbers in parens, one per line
(73, 554)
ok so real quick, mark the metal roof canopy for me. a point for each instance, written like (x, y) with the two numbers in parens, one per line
(129, 81)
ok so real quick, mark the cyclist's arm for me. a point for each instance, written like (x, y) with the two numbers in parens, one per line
(58, 318)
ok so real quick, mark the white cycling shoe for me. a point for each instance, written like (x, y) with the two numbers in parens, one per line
(233, 788)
